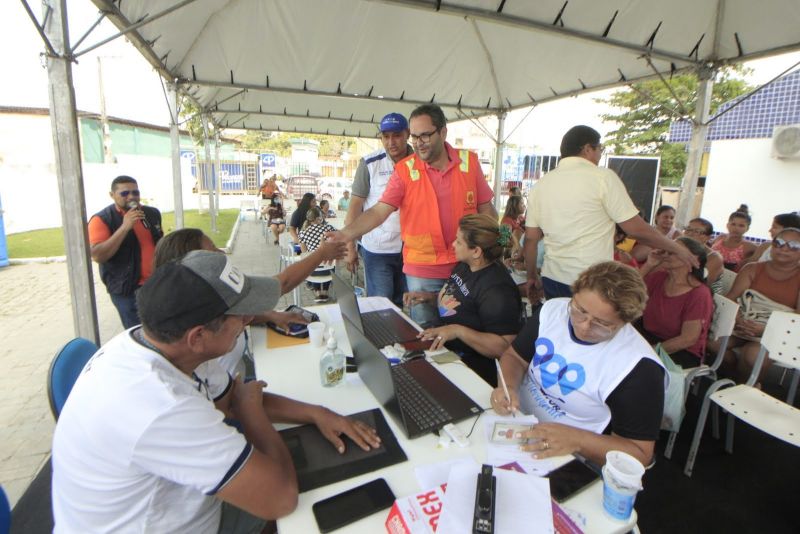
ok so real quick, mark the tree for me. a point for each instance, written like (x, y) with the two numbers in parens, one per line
(280, 143)
(643, 121)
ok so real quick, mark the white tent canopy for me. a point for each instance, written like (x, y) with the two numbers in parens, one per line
(337, 66)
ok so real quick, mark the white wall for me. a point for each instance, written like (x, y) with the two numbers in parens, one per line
(743, 172)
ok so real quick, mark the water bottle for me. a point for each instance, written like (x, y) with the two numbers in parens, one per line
(332, 364)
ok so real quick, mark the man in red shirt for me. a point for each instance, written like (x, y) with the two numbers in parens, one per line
(123, 237)
(433, 189)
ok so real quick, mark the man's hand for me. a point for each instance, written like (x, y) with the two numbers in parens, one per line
(284, 319)
(337, 237)
(501, 404)
(332, 250)
(351, 258)
(333, 425)
(412, 298)
(533, 288)
(130, 218)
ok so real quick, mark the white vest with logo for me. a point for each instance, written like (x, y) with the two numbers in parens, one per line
(568, 382)
(385, 239)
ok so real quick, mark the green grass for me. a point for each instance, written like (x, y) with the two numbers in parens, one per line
(50, 241)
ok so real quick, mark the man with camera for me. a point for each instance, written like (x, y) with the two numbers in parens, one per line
(123, 237)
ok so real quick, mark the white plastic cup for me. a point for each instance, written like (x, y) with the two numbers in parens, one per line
(622, 480)
(316, 333)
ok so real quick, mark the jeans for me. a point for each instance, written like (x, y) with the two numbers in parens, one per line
(384, 274)
(126, 306)
(424, 314)
(553, 289)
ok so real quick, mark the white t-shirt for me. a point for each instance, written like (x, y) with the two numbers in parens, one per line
(576, 206)
(568, 381)
(232, 362)
(139, 446)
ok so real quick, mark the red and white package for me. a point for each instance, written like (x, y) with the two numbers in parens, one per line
(416, 514)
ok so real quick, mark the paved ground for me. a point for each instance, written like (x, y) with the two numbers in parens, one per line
(36, 320)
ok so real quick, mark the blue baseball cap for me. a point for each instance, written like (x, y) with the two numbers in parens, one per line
(393, 122)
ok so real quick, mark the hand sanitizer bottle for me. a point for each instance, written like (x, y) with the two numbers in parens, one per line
(332, 364)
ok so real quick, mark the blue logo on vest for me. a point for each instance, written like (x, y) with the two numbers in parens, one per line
(554, 369)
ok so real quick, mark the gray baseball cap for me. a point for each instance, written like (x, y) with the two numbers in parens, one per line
(201, 287)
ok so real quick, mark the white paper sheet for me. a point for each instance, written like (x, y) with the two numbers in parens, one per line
(433, 475)
(522, 502)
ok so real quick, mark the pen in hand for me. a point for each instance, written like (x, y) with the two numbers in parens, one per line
(505, 387)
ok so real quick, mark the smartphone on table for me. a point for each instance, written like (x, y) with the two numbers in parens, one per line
(354, 504)
(296, 329)
(571, 478)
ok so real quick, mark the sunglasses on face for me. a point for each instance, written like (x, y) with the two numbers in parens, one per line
(125, 194)
(780, 243)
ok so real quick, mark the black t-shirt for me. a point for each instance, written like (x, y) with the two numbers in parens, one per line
(486, 301)
(298, 219)
(636, 412)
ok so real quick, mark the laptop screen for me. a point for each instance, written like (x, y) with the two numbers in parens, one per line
(348, 304)
(373, 367)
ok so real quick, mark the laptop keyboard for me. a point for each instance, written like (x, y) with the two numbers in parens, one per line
(416, 402)
(377, 331)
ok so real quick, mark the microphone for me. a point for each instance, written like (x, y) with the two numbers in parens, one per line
(133, 205)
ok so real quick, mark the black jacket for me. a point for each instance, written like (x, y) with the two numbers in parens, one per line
(121, 272)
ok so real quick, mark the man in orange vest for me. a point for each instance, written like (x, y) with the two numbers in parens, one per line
(433, 189)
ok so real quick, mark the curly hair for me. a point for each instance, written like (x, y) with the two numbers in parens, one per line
(619, 285)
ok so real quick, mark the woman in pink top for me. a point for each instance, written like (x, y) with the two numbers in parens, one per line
(679, 306)
(734, 249)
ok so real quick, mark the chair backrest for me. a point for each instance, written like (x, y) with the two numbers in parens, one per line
(5, 513)
(782, 338)
(726, 280)
(65, 368)
(724, 318)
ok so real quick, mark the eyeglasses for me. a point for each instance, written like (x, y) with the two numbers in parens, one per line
(125, 194)
(696, 231)
(780, 243)
(424, 137)
(578, 315)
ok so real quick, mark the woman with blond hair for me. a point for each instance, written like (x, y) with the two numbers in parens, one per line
(594, 384)
(479, 306)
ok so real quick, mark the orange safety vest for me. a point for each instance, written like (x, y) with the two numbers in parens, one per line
(420, 226)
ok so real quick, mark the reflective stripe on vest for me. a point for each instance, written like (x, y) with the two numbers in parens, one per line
(464, 156)
(412, 171)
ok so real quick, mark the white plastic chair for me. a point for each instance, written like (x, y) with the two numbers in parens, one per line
(288, 257)
(726, 280)
(722, 322)
(781, 339)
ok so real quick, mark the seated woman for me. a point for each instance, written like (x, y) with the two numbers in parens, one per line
(679, 306)
(175, 245)
(514, 217)
(777, 279)
(311, 238)
(298, 218)
(700, 230)
(665, 217)
(580, 367)
(327, 212)
(479, 304)
(733, 247)
(276, 217)
(781, 221)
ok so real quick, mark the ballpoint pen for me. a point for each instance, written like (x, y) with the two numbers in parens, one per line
(505, 387)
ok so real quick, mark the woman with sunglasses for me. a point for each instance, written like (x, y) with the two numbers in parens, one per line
(593, 382)
(781, 221)
(777, 279)
(679, 306)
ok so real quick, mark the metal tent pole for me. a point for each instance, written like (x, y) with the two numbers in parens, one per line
(175, 141)
(696, 146)
(209, 175)
(498, 161)
(217, 174)
(66, 145)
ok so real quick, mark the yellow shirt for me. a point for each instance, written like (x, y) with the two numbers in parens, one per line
(576, 206)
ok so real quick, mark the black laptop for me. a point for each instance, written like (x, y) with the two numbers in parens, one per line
(382, 327)
(415, 393)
